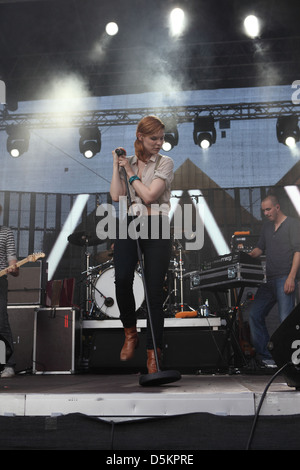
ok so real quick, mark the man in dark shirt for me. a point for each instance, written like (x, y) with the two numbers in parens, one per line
(280, 241)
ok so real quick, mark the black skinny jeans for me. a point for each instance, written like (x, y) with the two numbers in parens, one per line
(156, 257)
(5, 330)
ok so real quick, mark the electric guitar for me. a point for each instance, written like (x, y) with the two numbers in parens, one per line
(31, 258)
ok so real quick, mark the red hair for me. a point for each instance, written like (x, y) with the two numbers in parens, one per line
(149, 125)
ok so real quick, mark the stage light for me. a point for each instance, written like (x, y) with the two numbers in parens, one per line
(287, 130)
(204, 131)
(17, 140)
(176, 21)
(252, 27)
(168, 143)
(90, 141)
(204, 140)
(112, 28)
(171, 137)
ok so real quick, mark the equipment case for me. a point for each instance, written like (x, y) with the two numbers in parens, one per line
(57, 340)
(230, 277)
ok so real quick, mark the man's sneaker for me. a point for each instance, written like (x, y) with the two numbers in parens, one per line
(7, 372)
(269, 363)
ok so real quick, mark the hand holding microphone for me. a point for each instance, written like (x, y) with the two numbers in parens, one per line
(120, 152)
(121, 157)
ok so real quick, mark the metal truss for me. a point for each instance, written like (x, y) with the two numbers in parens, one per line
(128, 117)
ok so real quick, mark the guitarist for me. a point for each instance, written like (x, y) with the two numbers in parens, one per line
(7, 259)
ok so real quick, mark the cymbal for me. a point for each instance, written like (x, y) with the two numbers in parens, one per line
(84, 238)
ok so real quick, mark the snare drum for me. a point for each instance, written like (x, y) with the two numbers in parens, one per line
(104, 293)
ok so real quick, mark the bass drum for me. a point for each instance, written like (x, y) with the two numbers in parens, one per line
(105, 296)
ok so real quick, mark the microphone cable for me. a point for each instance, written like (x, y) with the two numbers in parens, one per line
(261, 402)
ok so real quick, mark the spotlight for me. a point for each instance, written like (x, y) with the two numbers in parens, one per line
(171, 137)
(17, 140)
(204, 132)
(112, 28)
(252, 26)
(177, 21)
(287, 130)
(90, 141)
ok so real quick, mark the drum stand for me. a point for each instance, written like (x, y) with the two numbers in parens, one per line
(172, 299)
(178, 274)
(88, 293)
(160, 377)
(181, 280)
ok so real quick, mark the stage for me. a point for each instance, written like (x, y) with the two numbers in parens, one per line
(52, 404)
(113, 412)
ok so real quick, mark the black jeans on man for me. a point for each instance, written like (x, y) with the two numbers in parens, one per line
(5, 330)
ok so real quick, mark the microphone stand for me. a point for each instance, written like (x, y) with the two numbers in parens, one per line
(160, 377)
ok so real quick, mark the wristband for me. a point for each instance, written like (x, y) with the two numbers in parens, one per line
(133, 178)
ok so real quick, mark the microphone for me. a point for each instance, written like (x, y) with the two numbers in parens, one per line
(120, 151)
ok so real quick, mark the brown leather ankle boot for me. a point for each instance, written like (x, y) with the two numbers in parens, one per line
(151, 362)
(130, 344)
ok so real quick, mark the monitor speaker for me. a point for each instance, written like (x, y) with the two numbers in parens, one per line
(284, 347)
(21, 321)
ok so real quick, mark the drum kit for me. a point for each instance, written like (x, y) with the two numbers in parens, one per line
(100, 298)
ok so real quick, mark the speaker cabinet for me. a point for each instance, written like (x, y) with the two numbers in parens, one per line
(195, 349)
(21, 321)
(185, 349)
(29, 287)
(284, 346)
(57, 340)
(106, 345)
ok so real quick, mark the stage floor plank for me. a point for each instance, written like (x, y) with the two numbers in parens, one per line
(121, 396)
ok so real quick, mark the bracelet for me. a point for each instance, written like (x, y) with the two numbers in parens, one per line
(133, 178)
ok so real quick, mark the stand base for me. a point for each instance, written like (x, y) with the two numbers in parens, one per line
(160, 378)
